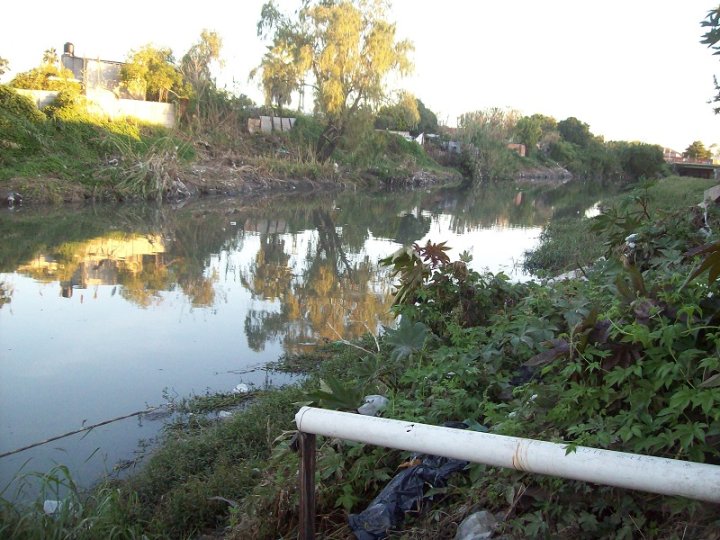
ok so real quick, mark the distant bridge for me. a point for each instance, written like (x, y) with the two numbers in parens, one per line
(699, 168)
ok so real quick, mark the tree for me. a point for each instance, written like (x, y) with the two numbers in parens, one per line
(150, 73)
(197, 62)
(574, 131)
(528, 131)
(486, 134)
(346, 48)
(428, 120)
(50, 56)
(697, 151)
(4, 66)
(640, 160)
(712, 39)
(47, 76)
(494, 123)
(279, 78)
(402, 116)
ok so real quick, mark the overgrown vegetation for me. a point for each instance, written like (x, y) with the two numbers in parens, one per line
(570, 243)
(49, 75)
(73, 154)
(625, 360)
(490, 137)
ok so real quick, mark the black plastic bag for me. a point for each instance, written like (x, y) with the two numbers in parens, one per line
(402, 494)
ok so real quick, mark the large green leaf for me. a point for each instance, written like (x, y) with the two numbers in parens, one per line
(407, 339)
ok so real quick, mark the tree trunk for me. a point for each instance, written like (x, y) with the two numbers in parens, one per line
(328, 141)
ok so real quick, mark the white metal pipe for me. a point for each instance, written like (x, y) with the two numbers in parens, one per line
(633, 471)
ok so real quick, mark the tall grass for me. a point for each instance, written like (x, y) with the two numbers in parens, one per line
(148, 173)
(62, 511)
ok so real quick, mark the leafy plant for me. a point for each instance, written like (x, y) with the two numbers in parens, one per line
(710, 264)
(333, 394)
(407, 339)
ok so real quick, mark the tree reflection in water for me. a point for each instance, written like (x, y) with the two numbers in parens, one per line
(330, 298)
(334, 289)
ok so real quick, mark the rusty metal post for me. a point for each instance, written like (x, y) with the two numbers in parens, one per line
(306, 530)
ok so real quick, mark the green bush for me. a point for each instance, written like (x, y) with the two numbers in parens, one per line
(21, 106)
(66, 101)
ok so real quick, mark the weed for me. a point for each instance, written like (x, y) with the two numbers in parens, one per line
(62, 511)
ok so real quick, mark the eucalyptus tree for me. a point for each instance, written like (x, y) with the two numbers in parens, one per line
(197, 62)
(344, 50)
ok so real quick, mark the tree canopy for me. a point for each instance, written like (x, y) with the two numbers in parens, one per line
(403, 115)
(697, 150)
(428, 122)
(528, 131)
(150, 73)
(4, 66)
(197, 61)
(47, 76)
(342, 49)
(487, 133)
(575, 131)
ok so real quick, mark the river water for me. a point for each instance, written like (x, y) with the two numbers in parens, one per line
(105, 311)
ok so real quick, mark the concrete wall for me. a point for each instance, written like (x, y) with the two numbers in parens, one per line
(41, 98)
(74, 64)
(104, 103)
(101, 74)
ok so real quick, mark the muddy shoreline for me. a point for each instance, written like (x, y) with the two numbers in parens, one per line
(213, 177)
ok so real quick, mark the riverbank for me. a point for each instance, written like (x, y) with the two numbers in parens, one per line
(569, 243)
(611, 362)
(229, 175)
(65, 155)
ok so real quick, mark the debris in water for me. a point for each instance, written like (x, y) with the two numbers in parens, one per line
(241, 388)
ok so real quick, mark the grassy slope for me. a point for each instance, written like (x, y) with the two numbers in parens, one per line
(66, 154)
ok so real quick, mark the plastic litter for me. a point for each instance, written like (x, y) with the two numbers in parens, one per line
(403, 494)
(477, 526)
(241, 388)
(51, 506)
(372, 405)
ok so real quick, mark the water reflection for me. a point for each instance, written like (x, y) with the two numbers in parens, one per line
(102, 308)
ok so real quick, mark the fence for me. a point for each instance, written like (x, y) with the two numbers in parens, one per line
(268, 124)
(632, 471)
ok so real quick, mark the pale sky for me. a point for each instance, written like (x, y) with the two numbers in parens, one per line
(631, 69)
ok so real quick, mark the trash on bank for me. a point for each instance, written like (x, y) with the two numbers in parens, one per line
(477, 526)
(404, 493)
(241, 388)
(372, 405)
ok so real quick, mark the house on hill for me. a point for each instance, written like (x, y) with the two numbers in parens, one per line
(106, 95)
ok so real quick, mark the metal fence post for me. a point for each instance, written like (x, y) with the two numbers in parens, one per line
(307, 486)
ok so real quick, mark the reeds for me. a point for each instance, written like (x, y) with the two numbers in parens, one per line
(61, 510)
(150, 174)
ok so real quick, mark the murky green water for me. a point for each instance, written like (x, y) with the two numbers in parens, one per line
(104, 310)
